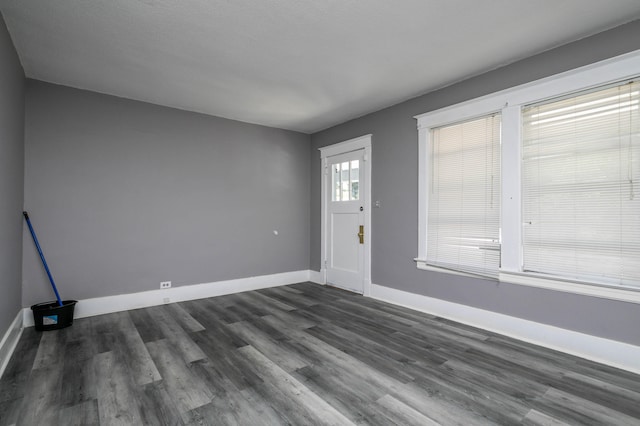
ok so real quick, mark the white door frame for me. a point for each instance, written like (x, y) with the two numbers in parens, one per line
(362, 142)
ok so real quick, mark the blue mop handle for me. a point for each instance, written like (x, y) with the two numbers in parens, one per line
(44, 262)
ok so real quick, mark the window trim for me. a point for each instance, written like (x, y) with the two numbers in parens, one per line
(510, 102)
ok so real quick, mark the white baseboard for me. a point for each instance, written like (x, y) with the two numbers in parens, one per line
(316, 277)
(125, 302)
(605, 351)
(10, 341)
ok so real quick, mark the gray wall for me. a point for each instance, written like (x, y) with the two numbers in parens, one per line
(125, 194)
(11, 178)
(395, 180)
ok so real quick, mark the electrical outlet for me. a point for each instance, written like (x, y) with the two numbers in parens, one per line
(165, 284)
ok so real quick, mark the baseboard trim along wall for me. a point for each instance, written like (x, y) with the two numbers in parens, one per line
(125, 302)
(317, 277)
(605, 351)
(10, 341)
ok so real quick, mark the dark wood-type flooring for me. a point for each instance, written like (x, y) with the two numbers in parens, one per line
(301, 355)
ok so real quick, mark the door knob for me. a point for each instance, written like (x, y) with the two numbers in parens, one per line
(361, 234)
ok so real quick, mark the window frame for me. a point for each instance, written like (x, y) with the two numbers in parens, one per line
(509, 103)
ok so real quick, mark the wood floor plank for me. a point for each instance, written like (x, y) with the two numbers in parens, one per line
(116, 392)
(265, 413)
(471, 399)
(493, 394)
(79, 374)
(222, 364)
(215, 327)
(460, 327)
(434, 402)
(229, 372)
(441, 338)
(222, 312)
(82, 333)
(267, 302)
(575, 410)
(187, 389)
(83, 414)
(149, 329)
(614, 396)
(528, 351)
(50, 350)
(528, 368)
(40, 405)
(129, 348)
(341, 361)
(273, 349)
(106, 337)
(536, 418)
(294, 298)
(393, 346)
(499, 376)
(353, 321)
(399, 311)
(183, 318)
(157, 407)
(347, 392)
(244, 307)
(355, 305)
(292, 399)
(13, 381)
(176, 335)
(607, 374)
(237, 408)
(296, 318)
(41, 401)
(398, 369)
(79, 369)
(264, 327)
(11, 411)
(403, 413)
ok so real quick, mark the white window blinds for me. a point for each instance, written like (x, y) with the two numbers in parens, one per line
(581, 186)
(463, 225)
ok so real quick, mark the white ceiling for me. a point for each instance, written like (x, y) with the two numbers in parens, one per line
(295, 64)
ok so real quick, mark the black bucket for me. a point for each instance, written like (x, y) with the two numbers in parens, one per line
(52, 316)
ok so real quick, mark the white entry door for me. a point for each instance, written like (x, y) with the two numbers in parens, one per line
(345, 220)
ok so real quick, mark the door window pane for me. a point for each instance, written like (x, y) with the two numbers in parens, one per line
(355, 179)
(335, 193)
(345, 181)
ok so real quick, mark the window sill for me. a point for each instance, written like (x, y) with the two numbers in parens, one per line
(533, 280)
(422, 264)
(575, 287)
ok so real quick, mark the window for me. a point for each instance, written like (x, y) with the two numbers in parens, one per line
(345, 181)
(464, 196)
(565, 211)
(581, 186)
